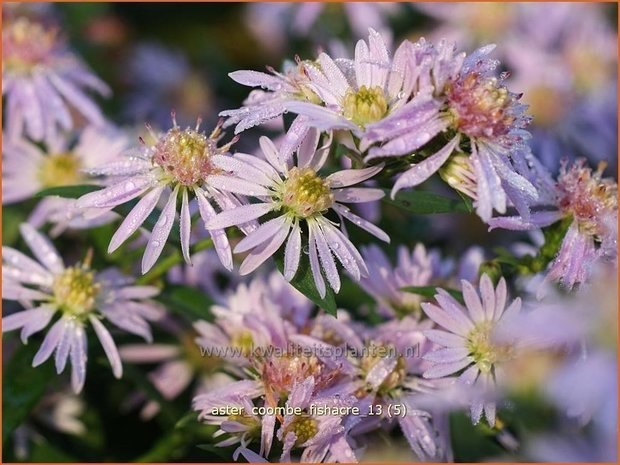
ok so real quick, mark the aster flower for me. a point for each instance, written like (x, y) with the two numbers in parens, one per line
(296, 195)
(43, 81)
(247, 329)
(177, 164)
(353, 94)
(262, 106)
(27, 169)
(484, 154)
(384, 281)
(591, 202)
(468, 340)
(383, 370)
(81, 296)
(323, 437)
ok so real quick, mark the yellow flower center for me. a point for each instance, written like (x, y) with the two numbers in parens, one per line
(75, 291)
(244, 342)
(304, 427)
(184, 155)
(305, 193)
(483, 350)
(365, 106)
(459, 175)
(60, 169)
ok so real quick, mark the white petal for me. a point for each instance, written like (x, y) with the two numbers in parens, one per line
(135, 218)
(108, 346)
(185, 228)
(239, 215)
(264, 232)
(160, 232)
(42, 248)
(292, 253)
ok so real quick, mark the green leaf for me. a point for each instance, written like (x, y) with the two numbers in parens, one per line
(304, 283)
(427, 203)
(22, 387)
(430, 291)
(188, 301)
(68, 192)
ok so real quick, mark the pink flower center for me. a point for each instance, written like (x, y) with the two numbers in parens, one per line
(481, 106)
(185, 155)
(587, 196)
(26, 44)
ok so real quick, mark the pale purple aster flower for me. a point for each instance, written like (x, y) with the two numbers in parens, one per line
(383, 367)
(241, 428)
(273, 377)
(467, 101)
(176, 165)
(355, 94)
(43, 81)
(398, 380)
(385, 281)
(296, 195)
(591, 202)
(80, 295)
(563, 57)
(27, 169)
(468, 340)
(322, 437)
(246, 329)
(262, 106)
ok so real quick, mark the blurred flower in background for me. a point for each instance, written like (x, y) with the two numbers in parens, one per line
(562, 57)
(159, 79)
(273, 23)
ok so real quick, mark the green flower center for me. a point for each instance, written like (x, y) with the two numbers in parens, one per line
(61, 169)
(305, 428)
(305, 193)
(365, 106)
(184, 155)
(482, 349)
(75, 291)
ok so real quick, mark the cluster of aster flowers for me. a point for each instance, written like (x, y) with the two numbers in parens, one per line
(277, 377)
